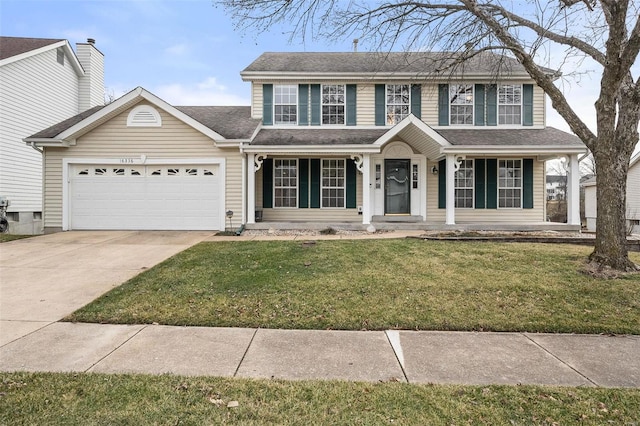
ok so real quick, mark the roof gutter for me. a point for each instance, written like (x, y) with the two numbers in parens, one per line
(43, 142)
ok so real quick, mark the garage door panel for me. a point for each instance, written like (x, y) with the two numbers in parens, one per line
(178, 198)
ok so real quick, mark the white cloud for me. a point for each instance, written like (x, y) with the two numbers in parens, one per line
(206, 92)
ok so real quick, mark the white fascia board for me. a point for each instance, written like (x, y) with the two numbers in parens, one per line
(484, 150)
(231, 143)
(40, 142)
(412, 120)
(634, 159)
(382, 76)
(306, 149)
(63, 43)
(124, 102)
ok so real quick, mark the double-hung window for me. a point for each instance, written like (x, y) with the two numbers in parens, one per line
(464, 185)
(333, 183)
(285, 104)
(333, 104)
(461, 104)
(510, 104)
(510, 183)
(398, 102)
(285, 183)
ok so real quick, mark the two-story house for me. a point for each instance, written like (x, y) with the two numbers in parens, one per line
(42, 81)
(356, 139)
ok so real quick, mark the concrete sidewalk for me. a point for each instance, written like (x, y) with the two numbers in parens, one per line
(406, 356)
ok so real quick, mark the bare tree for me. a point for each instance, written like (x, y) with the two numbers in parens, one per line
(606, 32)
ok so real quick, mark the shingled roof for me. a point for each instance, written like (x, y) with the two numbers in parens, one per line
(392, 62)
(13, 46)
(325, 136)
(549, 136)
(232, 122)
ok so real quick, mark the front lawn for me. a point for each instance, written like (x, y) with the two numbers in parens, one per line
(376, 284)
(4, 238)
(96, 399)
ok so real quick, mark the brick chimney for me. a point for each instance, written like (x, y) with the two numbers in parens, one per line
(91, 90)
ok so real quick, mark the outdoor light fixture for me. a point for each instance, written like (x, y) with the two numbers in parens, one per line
(434, 170)
(229, 216)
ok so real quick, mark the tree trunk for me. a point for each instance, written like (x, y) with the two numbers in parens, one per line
(611, 230)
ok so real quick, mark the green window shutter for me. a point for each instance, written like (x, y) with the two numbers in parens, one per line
(267, 183)
(351, 184)
(492, 183)
(416, 100)
(351, 105)
(315, 183)
(527, 104)
(443, 104)
(527, 183)
(492, 105)
(267, 104)
(303, 105)
(479, 176)
(303, 182)
(478, 102)
(381, 104)
(316, 108)
(442, 184)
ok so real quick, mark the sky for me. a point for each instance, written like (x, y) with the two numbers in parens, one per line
(188, 52)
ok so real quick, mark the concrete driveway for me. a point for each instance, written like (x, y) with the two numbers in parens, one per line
(45, 278)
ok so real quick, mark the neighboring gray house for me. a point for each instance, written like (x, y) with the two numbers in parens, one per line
(633, 198)
(42, 82)
(348, 139)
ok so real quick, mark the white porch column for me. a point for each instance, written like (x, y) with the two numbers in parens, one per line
(251, 188)
(451, 190)
(366, 189)
(573, 191)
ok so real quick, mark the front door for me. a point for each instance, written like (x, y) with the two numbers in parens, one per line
(397, 187)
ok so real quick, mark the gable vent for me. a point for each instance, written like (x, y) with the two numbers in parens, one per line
(144, 116)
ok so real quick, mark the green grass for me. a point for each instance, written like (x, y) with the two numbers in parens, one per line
(377, 284)
(4, 238)
(94, 399)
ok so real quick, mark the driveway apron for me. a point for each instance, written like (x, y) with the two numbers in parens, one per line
(45, 278)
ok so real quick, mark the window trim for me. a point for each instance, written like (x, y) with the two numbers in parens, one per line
(386, 103)
(521, 187)
(296, 104)
(472, 187)
(499, 104)
(343, 187)
(344, 105)
(297, 187)
(470, 105)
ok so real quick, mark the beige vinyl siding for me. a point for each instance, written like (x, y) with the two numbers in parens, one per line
(309, 214)
(113, 139)
(536, 214)
(366, 105)
(366, 100)
(35, 93)
(430, 104)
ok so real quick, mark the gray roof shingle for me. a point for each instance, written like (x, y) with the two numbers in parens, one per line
(13, 46)
(232, 122)
(374, 62)
(548, 136)
(275, 137)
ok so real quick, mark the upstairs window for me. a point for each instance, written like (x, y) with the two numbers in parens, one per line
(461, 104)
(464, 185)
(398, 102)
(333, 104)
(285, 104)
(510, 104)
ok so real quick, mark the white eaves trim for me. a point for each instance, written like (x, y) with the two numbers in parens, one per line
(382, 76)
(123, 102)
(75, 63)
(296, 149)
(484, 150)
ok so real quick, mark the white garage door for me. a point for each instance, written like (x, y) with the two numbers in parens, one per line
(166, 197)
